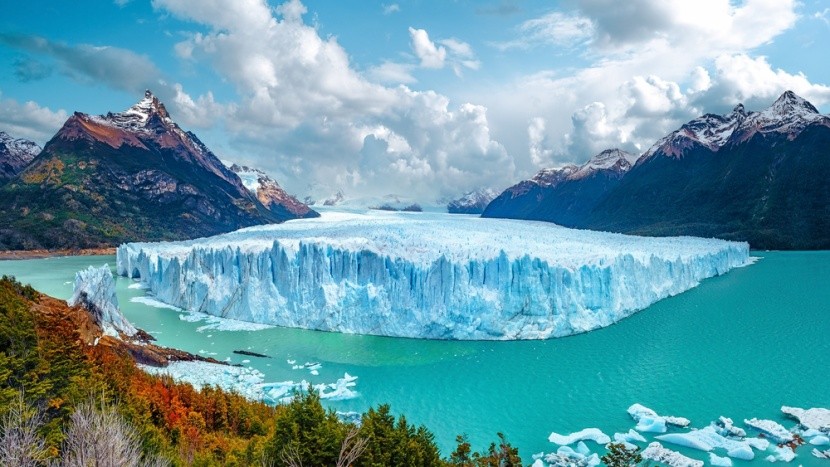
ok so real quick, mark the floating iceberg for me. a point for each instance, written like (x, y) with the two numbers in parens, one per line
(95, 289)
(630, 437)
(707, 439)
(719, 461)
(592, 434)
(725, 427)
(815, 418)
(649, 422)
(775, 431)
(426, 275)
(656, 452)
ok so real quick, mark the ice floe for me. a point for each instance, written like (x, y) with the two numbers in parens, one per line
(592, 434)
(656, 452)
(815, 418)
(649, 422)
(725, 427)
(719, 461)
(774, 430)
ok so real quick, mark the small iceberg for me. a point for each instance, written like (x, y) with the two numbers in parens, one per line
(591, 434)
(725, 427)
(775, 431)
(719, 461)
(657, 453)
(810, 419)
(649, 422)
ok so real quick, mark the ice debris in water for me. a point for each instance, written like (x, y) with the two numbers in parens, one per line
(775, 431)
(649, 422)
(656, 452)
(249, 382)
(426, 276)
(592, 434)
(815, 418)
(94, 288)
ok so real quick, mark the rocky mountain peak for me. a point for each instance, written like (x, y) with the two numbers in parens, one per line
(15, 155)
(789, 102)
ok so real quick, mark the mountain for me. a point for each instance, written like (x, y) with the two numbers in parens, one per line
(562, 195)
(271, 194)
(473, 202)
(134, 175)
(15, 155)
(762, 177)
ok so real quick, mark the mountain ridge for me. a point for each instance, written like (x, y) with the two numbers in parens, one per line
(127, 176)
(762, 177)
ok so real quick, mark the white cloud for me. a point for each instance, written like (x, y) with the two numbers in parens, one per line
(392, 8)
(540, 155)
(430, 55)
(306, 114)
(392, 73)
(554, 28)
(29, 120)
(654, 65)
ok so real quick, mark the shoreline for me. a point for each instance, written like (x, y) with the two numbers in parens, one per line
(40, 254)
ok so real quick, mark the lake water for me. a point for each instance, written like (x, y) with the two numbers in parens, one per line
(740, 345)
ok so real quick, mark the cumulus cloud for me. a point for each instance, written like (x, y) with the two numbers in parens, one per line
(29, 120)
(540, 155)
(306, 114)
(430, 55)
(654, 65)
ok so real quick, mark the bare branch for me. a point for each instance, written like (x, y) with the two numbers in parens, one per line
(20, 443)
(352, 448)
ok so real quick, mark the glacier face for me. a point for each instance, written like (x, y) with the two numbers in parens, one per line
(426, 275)
(94, 288)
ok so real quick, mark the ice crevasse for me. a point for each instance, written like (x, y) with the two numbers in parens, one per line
(426, 275)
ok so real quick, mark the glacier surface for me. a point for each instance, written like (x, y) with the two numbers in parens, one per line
(426, 275)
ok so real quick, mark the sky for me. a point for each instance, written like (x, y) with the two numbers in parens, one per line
(425, 99)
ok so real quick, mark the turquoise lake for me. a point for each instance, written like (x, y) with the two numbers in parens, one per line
(740, 345)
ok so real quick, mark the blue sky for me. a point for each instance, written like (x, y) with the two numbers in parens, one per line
(425, 99)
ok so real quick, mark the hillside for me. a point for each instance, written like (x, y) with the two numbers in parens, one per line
(761, 177)
(135, 175)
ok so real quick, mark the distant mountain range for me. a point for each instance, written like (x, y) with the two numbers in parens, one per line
(130, 176)
(473, 202)
(15, 155)
(763, 177)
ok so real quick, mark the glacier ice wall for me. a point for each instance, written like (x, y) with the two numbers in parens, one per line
(94, 288)
(426, 275)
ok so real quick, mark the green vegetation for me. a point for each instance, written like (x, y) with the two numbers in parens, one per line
(619, 456)
(62, 400)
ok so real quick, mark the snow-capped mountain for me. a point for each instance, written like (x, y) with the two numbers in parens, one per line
(15, 155)
(788, 115)
(758, 176)
(270, 193)
(132, 175)
(473, 202)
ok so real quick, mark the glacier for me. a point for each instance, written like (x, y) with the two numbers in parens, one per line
(425, 275)
(94, 288)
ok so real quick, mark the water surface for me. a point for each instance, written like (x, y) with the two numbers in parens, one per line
(740, 345)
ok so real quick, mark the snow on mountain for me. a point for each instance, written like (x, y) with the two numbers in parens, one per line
(268, 191)
(473, 202)
(788, 115)
(15, 155)
(615, 161)
(94, 289)
(427, 275)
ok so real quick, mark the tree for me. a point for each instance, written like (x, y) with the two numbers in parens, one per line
(20, 443)
(462, 456)
(501, 455)
(620, 456)
(100, 436)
